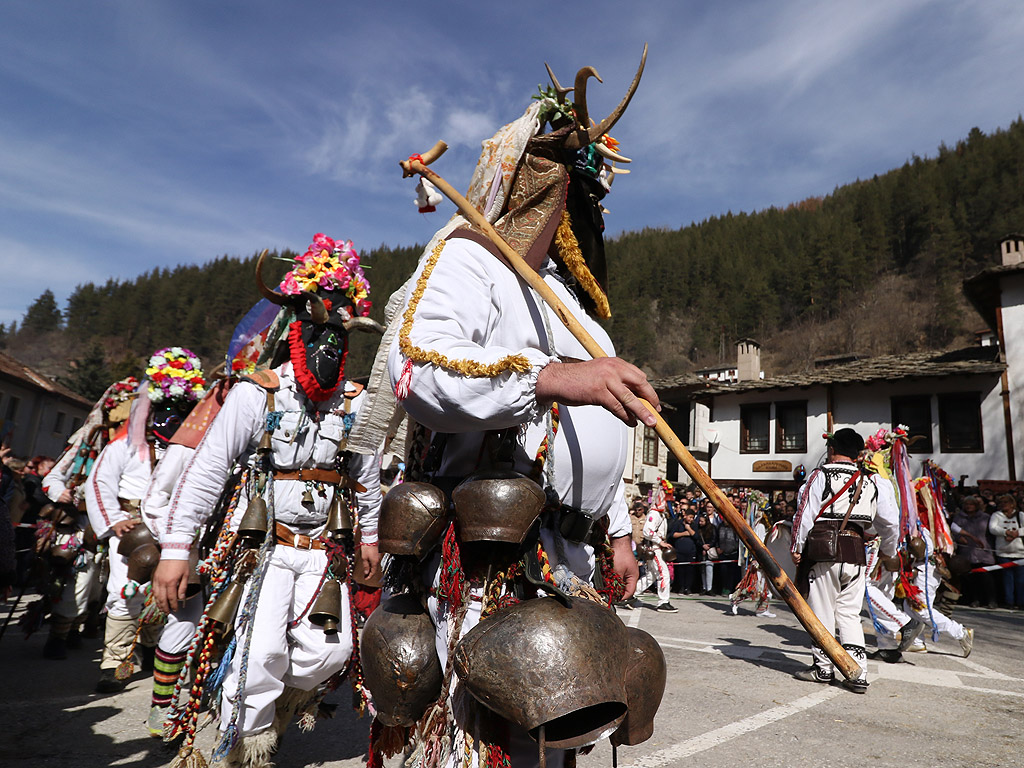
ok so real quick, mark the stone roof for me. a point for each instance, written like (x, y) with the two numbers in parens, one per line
(916, 365)
(10, 368)
(982, 290)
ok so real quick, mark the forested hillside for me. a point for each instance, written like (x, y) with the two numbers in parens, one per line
(873, 268)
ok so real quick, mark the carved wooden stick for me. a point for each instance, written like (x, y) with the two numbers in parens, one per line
(824, 638)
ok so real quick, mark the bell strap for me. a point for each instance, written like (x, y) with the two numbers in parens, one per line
(286, 537)
(314, 475)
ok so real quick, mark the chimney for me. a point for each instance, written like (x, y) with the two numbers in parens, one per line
(1012, 250)
(748, 360)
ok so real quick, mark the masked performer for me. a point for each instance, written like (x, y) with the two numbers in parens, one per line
(839, 503)
(501, 391)
(174, 382)
(288, 425)
(74, 553)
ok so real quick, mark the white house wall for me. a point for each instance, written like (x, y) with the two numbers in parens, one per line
(1013, 335)
(866, 408)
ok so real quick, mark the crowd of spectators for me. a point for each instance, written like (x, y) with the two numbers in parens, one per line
(21, 499)
(986, 529)
(706, 548)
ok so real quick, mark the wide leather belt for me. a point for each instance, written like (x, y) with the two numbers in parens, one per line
(314, 475)
(286, 537)
(131, 506)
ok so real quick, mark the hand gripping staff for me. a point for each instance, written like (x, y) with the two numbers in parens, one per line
(825, 639)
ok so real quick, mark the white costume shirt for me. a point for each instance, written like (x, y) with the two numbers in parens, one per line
(476, 308)
(119, 472)
(305, 437)
(876, 512)
(157, 501)
(656, 526)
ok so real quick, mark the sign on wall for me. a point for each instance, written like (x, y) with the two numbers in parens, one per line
(772, 465)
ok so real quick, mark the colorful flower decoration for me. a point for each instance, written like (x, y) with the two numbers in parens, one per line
(884, 438)
(175, 373)
(120, 392)
(334, 266)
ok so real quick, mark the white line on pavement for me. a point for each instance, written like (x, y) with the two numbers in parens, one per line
(726, 733)
(982, 669)
(634, 620)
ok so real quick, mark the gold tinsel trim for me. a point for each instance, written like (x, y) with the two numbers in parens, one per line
(517, 363)
(570, 253)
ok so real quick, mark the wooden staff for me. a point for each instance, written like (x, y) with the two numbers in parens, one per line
(824, 638)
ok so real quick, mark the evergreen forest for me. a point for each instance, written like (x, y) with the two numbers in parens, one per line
(873, 268)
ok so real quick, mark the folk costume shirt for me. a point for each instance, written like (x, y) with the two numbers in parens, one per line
(877, 510)
(119, 473)
(305, 435)
(474, 309)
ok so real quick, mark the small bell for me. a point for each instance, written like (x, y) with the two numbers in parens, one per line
(339, 518)
(326, 611)
(266, 445)
(307, 497)
(254, 521)
(226, 605)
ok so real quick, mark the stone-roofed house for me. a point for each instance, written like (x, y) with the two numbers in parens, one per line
(965, 407)
(37, 415)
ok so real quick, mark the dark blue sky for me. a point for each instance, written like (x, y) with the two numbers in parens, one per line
(136, 135)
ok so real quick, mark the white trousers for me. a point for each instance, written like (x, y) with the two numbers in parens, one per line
(81, 588)
(656, 568)
(181, 626)
(836, 596)
(117, 605)
(301, 657)
(885, 612)
(929, 615)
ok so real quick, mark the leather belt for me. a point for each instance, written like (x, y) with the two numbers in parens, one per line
(131, 506)
(314, 475)
(285, 536)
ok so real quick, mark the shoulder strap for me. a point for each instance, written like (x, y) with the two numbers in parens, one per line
(842, 490)
(266, 379)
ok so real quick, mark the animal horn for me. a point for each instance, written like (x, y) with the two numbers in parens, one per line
(364, 324)
(575, 140)
(317, 309)
(268, 293)
(558, 86)
(608, 154)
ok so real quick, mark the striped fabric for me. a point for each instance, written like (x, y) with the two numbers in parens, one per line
(166, 667)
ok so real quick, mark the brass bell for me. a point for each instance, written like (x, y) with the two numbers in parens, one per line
(339, 517)
(266, 445)
(326, 611)
(254, 521)
(307, 497)
(226, 605)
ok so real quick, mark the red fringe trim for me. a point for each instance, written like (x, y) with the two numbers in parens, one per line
(303, 375)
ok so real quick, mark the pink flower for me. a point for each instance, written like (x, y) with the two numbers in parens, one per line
(323, 242)
(290, 285)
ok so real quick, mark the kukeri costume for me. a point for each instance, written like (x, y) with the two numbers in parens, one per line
(655, 531)
(288, 427)
(174, 383)
(536, 489)
(842, 503)
(64, 536)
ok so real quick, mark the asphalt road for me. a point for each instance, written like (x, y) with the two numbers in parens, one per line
(731, 700)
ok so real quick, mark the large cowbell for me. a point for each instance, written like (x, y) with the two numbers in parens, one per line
(400, 664)
(413, 518)
(646, 675)
(497, 506)
(538, 663)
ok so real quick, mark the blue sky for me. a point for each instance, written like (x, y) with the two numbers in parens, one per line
(136, 135)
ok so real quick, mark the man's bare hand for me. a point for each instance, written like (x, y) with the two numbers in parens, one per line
(624, 564)
(610, 382)
(796, 557)
(121, 527)
(170, 580)
(65, 497)
(370, 556)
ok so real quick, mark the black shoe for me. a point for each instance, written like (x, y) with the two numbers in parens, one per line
(56, 648)
(667, 608)
(888, 655)
(148, 658)
(108, 683)
(624, 605)
(813, 675)
(857, 686)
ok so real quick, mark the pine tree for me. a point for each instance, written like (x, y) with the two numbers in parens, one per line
(90, 375)
(43, 315)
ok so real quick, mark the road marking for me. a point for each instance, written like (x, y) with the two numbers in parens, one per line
(634, 620)
(714, 738)
(986, 672)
